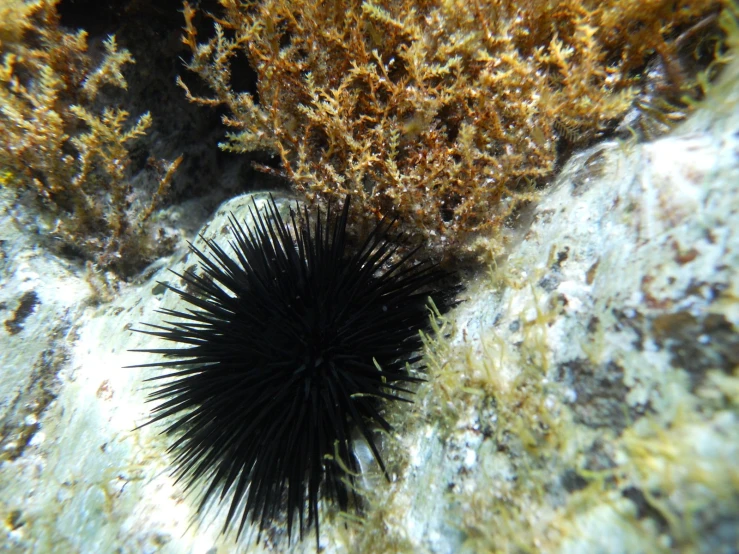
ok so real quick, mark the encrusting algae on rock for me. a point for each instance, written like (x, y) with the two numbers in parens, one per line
(448, 114)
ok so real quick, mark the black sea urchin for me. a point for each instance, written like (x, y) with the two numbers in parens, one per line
(288, 346)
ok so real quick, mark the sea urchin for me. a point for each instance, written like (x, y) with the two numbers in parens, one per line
(287, 347)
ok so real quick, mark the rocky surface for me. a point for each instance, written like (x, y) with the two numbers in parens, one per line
(585, 397)
(582, 397)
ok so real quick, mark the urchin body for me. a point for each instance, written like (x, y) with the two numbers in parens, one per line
(286, 347)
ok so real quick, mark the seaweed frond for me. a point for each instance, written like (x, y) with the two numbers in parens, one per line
(62, 146)
(445, 113)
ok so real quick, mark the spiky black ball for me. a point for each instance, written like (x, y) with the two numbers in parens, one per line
(286, 347)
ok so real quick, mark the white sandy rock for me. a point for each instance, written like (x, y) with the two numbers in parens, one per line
(585, 400)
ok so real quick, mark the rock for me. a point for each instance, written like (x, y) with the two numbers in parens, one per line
(591, 377)
(582, 397)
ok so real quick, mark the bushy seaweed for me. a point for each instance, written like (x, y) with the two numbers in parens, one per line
(66, 145)
(447, 113)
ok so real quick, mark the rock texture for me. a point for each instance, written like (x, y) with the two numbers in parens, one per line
(582, 398)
